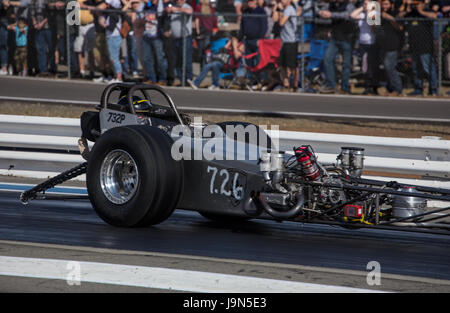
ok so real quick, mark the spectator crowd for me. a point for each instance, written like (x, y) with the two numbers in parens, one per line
(157, 41)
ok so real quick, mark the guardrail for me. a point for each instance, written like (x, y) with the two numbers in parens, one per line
(48, 146)
(424, 157)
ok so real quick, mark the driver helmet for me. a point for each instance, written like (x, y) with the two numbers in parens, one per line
(140, 105)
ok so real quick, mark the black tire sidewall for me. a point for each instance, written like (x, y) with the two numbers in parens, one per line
(171, 179)
(143, 152)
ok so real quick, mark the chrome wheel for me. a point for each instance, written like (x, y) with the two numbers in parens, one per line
(119, 177)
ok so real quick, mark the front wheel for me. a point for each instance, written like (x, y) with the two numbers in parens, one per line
(131, 178)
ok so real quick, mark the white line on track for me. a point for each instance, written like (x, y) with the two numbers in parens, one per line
(155, 277)
(239, 111)
(222, 260)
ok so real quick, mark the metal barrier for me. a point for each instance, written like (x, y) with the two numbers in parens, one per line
(42, 146)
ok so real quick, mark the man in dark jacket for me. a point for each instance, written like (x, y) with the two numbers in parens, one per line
(342, 37)
(167, 42)
(388, 37)
(43, 37)
(420, 39)
(254, 27)
(3, 37)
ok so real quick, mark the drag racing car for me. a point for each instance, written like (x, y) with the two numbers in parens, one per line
(148, 159)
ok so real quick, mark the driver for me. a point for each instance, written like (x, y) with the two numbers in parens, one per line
(141, 106)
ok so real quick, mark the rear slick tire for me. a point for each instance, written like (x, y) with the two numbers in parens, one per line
(131, 179)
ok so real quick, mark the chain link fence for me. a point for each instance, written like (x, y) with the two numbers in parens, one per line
(409, 56)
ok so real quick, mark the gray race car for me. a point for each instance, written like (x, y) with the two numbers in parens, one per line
(149, 159)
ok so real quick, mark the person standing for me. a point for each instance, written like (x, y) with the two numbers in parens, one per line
(153, 46)
(420, 39)
(369, 51)
(268, 8)
(112, 22)
(388, 38)
(253, 27)
(3, 37)
(342, 38)
(286, 15)
(238, 5)
(166, 38)
(58, 23)
(445, 9)
(138, 21)
(205, 26)
(85, 42)
(130, 63)
(11, 10)
(43, 37)
(101, 53)
(20, 57)
(181, 31)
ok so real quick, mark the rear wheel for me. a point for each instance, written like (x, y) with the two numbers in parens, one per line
(131, 178)
(171, 179)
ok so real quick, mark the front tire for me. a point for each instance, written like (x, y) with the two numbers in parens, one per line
(131, 178)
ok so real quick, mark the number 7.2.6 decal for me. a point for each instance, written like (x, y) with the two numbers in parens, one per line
(227, 182)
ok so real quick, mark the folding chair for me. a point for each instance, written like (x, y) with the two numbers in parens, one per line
(268, 54)
(314, 64)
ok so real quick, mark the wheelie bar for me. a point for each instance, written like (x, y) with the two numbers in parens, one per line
(383, 190)
(396, 185)
(52, 182)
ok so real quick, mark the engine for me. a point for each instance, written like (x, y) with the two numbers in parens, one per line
(299, 187)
